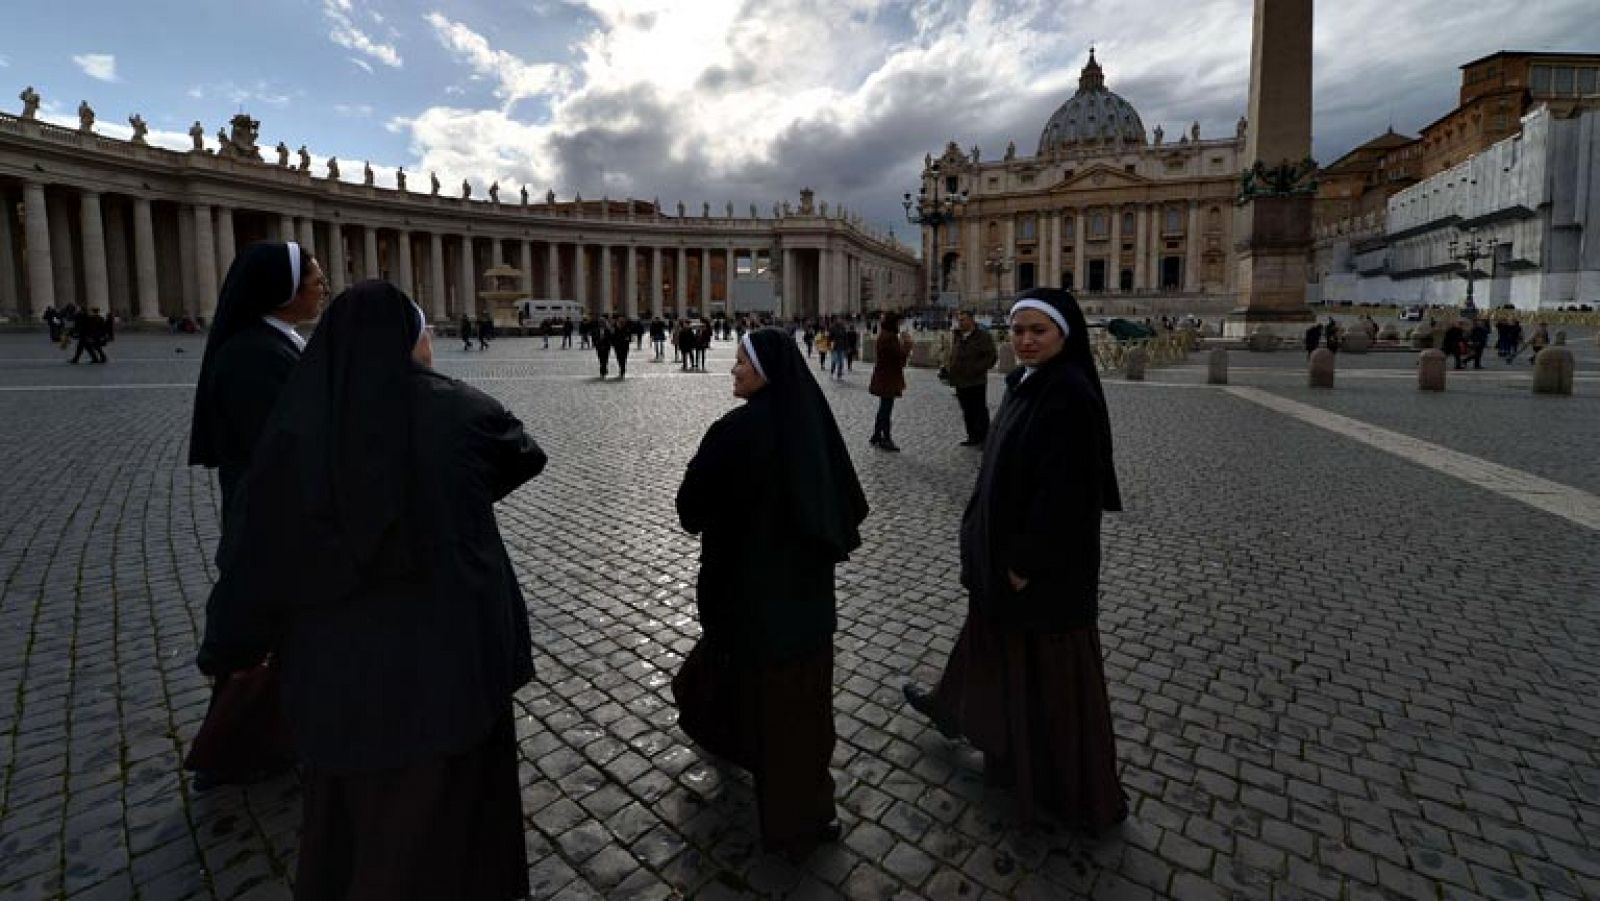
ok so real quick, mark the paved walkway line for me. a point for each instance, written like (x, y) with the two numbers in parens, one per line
(116, 387)
(1569, 503)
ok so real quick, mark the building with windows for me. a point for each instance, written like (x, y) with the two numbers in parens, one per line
(148, 233)
(1124, 218)
(1496, 92)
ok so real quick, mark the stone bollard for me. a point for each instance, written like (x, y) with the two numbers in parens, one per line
(1005, 357)
(1561, 337)
(1430, 370)
(1134, 364)
(1320, 369)
(1217, 367)
(1389, 332)
(922, 354)
(1552, 371)
(1262, 340)
(1355, 341)
(1422, 338)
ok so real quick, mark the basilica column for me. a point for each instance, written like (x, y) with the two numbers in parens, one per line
(403, 263)
(580, 279)
(144, 262)
(497, 253)
(1191, 263)
(369, 252)
(334, 269)
(552, 271)
(789, 308)
(606, 297)
(205, 261)
(1080, 240)
(96, 283)
(468, 301)
(436, 277)
(1008, 279)
(226, 248)
(41, 277)
(1141, 247)
(655, 283)
(680, 285)
(630, 294)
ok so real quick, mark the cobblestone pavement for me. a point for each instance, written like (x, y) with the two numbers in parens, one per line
(1335, 673)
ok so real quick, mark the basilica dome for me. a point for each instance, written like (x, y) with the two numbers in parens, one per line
(1093, 117)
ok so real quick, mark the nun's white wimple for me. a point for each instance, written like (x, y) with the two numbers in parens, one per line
(750, 351)
(294, 273)
(422, 323)
(1041, 306)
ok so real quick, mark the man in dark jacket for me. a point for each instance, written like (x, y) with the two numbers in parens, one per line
(621, 337)
(972, 355)
(90, 331)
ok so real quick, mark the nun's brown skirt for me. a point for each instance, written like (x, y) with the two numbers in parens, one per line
(1036, 705)
(448, 828)
(774, 721)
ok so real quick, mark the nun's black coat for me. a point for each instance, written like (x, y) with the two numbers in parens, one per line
(251, 370)
(763, 595)
(1038, 513)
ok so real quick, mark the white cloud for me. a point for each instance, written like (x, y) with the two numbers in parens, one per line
(361, 63)
(343, 31)
(353, 110)
(516, 79)
(4, 62)
(100, 66)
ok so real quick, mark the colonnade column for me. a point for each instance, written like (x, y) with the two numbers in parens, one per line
(41, 278)
(630, 295)
(607, 298)
(369, 252)
(286, 228)
(205, 261)
(436, 276)
(1141, 248)
(705, 282)
(680, 285)
(403, 263)
(790, 306)
(1191, 263)
(497, 252)
(727, 279)
(308, 236)
(1055, 249)
(96, 282)
(144, 262)
(655, 283)
(468, 301)
(10, 305)
(225, 243)
(580, 279)
(335, 269)
(525, 259)
(64, 273)
(1080, 241)
(552, 271)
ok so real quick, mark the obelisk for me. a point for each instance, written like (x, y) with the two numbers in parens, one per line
(1272, 224)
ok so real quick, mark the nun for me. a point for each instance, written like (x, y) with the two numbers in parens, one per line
(399, 629)
(757, 689)
(1025, 682)
(250, 352)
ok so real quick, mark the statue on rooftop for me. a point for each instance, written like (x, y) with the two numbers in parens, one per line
(85, 117)
(30, 102)
(283, 154)
(333, 168)
(466, 190)
(140, 129)
(400, 178)
(198, 135)
(433, 177)
(366, 174)
(305, 158)
(494, 192)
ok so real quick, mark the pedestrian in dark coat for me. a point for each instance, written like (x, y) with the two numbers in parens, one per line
(1452, 342)
(888, 379)
(972, 355)
(52, 321)
(485, 329)
(757, 689)
(466, 332)
(90, 330)
(1025, 682)
(600, 340)
(621, 338)
(367, 559)
(1313, 338)
(251, 351)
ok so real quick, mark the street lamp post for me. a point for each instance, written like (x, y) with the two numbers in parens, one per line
(1470, 252)
(933, 210)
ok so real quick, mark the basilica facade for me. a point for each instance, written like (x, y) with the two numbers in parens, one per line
(1125, 218)
(147, 233)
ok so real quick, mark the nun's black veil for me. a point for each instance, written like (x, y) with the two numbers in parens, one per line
(327, 482)
(260, 280)
(823, 490)
(1077, 353)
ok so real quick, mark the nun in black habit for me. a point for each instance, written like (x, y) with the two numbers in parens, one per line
(250, 351)
(1025, 682)
(366, 557)
(757, 689)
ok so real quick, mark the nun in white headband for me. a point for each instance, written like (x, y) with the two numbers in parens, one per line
(757, 690)
(251, 350)
(1025, 682)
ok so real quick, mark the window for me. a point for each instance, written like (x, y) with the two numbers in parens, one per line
(951, 184)
(1067, 228)
(1130, 168)
(1027, 178)
(1587, 81)
(1130, 224)
(994, 182)
(1541, 80)
(1099, 227)
(1173, 221)
(954, 233)
(1027, 228)
(1025, 277)
(1561, 85)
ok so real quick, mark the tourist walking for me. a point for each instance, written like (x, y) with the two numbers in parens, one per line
(600, 340)
(621, 337)
(658, 337)
(485, 330)
(1313, 337)
(838, 343)
(90, 329)
(852, 346)
(757, 688)
(52, 322)
(366, 558)
(966, 369)
(888, 379)
(1477, 340)
(1539, 341)
(251, 351)
(466, 332)
(566, 332)
(1025, 682)
(1452, 342)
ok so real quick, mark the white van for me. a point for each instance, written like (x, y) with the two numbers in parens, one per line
(533, 312)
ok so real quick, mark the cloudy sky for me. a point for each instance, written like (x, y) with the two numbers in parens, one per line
(722, 100)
